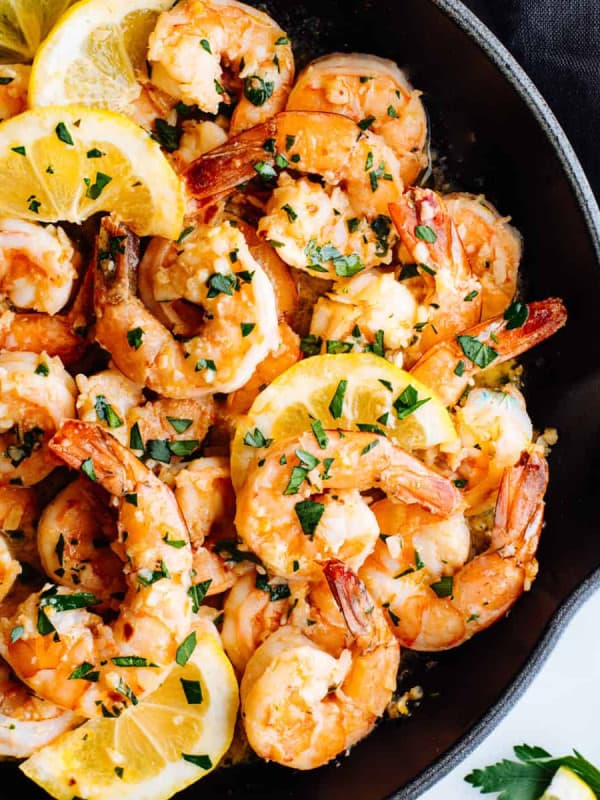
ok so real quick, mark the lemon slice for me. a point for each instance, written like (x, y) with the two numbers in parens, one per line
(375, 393)
(140, 755)
(566, 785)
(94, 54)
(68, 163)
(23, 25)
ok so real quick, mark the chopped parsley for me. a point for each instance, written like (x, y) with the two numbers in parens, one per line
(87, 467)
(391, 112)
(516, 315)
(479, 353)
(20, 150)
(205, 44)
(179, 425)
(247, 328)
(366, 123)
(185, 649)
(63, 134)
(291, 214)
(444, 587)
(168, 136)
(257, 90)
(94, 190)
(202, 761)
(198, 592)
(192, 691)
(425, 234)
(337, 401)
(106, 413)
(42, 369)
(407, 402)
(311, 345)
(256, 438)
(459, 369)
(309, 515)
(319, 432)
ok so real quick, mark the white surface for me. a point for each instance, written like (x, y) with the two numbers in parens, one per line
(558, 712)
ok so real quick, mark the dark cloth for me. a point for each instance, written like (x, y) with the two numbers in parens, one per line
(558, 44)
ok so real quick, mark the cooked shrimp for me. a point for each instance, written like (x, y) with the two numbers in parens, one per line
(357, 311)
(36, 395)
(155, 615)
(412, 538)
(107, 398)
(447, 369)
(207, 501)
(371, 91)
(13, 89)
(19, 515)
(64, 335)
(332, 231)
(182, 424)
(451, 294)
(197, 138)
(493, 247)
(494, 429)
(194, 40)
(290, 532)
(237, 321)
(10, 569)
(303, 704)
(38, 265)
(27, 722)
(75, 532)
(250, 615)
(428, 615)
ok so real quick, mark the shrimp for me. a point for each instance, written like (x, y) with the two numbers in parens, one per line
(10, 569)
(330, 231)
(207, 501)
(38, 265)
(194, 40)
(19, 515)
(13, 89)
(494, 429)
(303, 704)
(107, 398)
(357, 311)
(373, 92)
(447, 369)
(444, 614)
(36, 395)
(180, 426)
(75, 533)
(250, 615)
(129, 657)
(451, 294)
(197, 138)
(494, 249)
(27, 722)
(237, 321)
(290, 532)
(64, 335)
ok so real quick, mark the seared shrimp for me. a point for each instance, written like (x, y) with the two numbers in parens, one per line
(447, 367)
(250, 615)
(290, 532)
(127, 658)
(19, 515)
(437, 615)
(107, 398)
(330, 231)
(10, 569)
(13, 89)
(303, 703)
(75, 533)
(38, 265)
(36, 395)
(450, 293)
(493, 247)
(27, 722)
(237, 321)
(373, 92)
(192, 43)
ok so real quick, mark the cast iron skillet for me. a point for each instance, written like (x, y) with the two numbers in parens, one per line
(500, 138)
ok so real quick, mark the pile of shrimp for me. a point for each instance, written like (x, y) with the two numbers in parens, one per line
(126, 367)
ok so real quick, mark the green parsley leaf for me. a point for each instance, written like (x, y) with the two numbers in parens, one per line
(206, 45)
(309, 514)
(337, 401)
(391, 112)
(471, 296)
(409, 271)
(247, 328)
(218, 283)
(158, 450)
(84, 672)
(407, 402)
(20, 150)
(282, 40)
(366, 123)
(185, 233)
(179, 425)
(94, 153)
(444, 587)
(479, 353)
(307, 459)
(352, 224)
(205, 363)
(460, 483)
(296, 480)
(168, 136)
(425, 234)
(192, 691)
(94, 190)
(369, 447)
(459, 369)
(387, 384)
(135, 438)
(106, 413)
(257, 90)
(334, 347)
(516, 315)
(255, 438)
(87, 467)
(203, 762)
(311, 345)
(42, 369)
(291, 214)
(185, 649)
(198, 592)
(135, 338)
(184, 447)
(367, 427)
(131, 661)
(63, 133)
(5, 80)
(319, 432)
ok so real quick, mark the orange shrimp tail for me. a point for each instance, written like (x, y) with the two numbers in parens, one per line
(545, 318)
(216, 173)
(350, 595)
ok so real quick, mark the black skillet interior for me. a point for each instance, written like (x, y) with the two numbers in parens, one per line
(491, 143)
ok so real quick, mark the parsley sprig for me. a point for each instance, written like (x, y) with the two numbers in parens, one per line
(529, 777)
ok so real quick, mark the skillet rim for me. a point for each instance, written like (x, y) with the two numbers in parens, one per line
(512, 71)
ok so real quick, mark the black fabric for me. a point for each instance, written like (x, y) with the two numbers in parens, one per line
(558, 44)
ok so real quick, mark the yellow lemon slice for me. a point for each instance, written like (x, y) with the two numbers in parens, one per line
(93, 56)
(566, 785)
(171, 739)
(23, 25)
(67, 163)
(350, 391)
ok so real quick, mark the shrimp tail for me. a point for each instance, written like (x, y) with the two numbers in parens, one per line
(520, 505)
(351, 597)
(116, 259)
(216, 173)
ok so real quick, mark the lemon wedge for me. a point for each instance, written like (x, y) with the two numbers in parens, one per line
(67, 163)
(94, 55)
(566, 785)
(171, 739)
(23, 25)
(368, 390)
